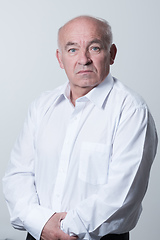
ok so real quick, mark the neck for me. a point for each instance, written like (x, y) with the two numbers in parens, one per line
(74, 95)
(73, 100)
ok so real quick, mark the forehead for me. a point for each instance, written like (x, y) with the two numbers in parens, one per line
(80, 30)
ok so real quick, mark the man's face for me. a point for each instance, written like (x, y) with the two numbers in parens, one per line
(83, 54)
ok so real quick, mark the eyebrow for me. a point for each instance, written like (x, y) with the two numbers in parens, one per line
(99, 41)
(96, 40)
(68, 44)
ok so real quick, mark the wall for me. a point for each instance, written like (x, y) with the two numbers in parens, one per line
(28, 66)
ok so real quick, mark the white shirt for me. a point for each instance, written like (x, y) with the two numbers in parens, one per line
(92, 161)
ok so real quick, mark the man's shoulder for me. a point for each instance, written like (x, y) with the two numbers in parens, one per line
(128, 95)
(48, 98)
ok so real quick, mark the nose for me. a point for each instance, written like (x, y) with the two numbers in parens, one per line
(84, 58)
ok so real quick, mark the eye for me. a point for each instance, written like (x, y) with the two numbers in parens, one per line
(95, 49)
(72, 50)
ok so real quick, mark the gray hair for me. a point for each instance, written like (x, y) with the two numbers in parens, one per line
(107, 31)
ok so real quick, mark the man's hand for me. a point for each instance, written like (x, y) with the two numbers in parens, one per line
(52, 231)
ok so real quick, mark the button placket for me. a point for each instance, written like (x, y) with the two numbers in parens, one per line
(69, 141)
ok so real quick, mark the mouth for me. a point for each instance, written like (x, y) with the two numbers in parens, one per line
(84, 72)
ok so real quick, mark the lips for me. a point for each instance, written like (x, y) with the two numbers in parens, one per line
(84, 71)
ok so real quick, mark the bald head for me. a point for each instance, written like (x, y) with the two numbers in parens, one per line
(103, 28)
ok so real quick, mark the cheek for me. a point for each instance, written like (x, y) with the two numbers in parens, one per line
(69, 68)
(102, 67)
(100, 64)
(68, 63)
(105, 62)
(99, 58)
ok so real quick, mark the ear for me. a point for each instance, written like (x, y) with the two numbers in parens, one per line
(113, 51)
(59, 58)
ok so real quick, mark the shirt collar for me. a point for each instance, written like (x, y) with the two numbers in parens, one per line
(62, 93)
(97, 95)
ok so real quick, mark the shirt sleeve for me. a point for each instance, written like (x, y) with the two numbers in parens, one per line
(19, 182)
(117, 204)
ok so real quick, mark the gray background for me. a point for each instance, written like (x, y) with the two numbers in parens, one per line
(28, 31)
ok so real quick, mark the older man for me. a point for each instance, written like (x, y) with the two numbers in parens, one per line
(81, 165)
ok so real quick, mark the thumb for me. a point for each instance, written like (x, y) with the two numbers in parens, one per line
(63, 215)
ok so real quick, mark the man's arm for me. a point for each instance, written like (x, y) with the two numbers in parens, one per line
(19, 181)
(116, 206)
(20, 190)
(52, 231)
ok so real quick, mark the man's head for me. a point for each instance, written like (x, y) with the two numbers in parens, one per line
(85, 52)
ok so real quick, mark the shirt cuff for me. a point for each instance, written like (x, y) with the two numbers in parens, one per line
(73, 226)
(36, 219)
